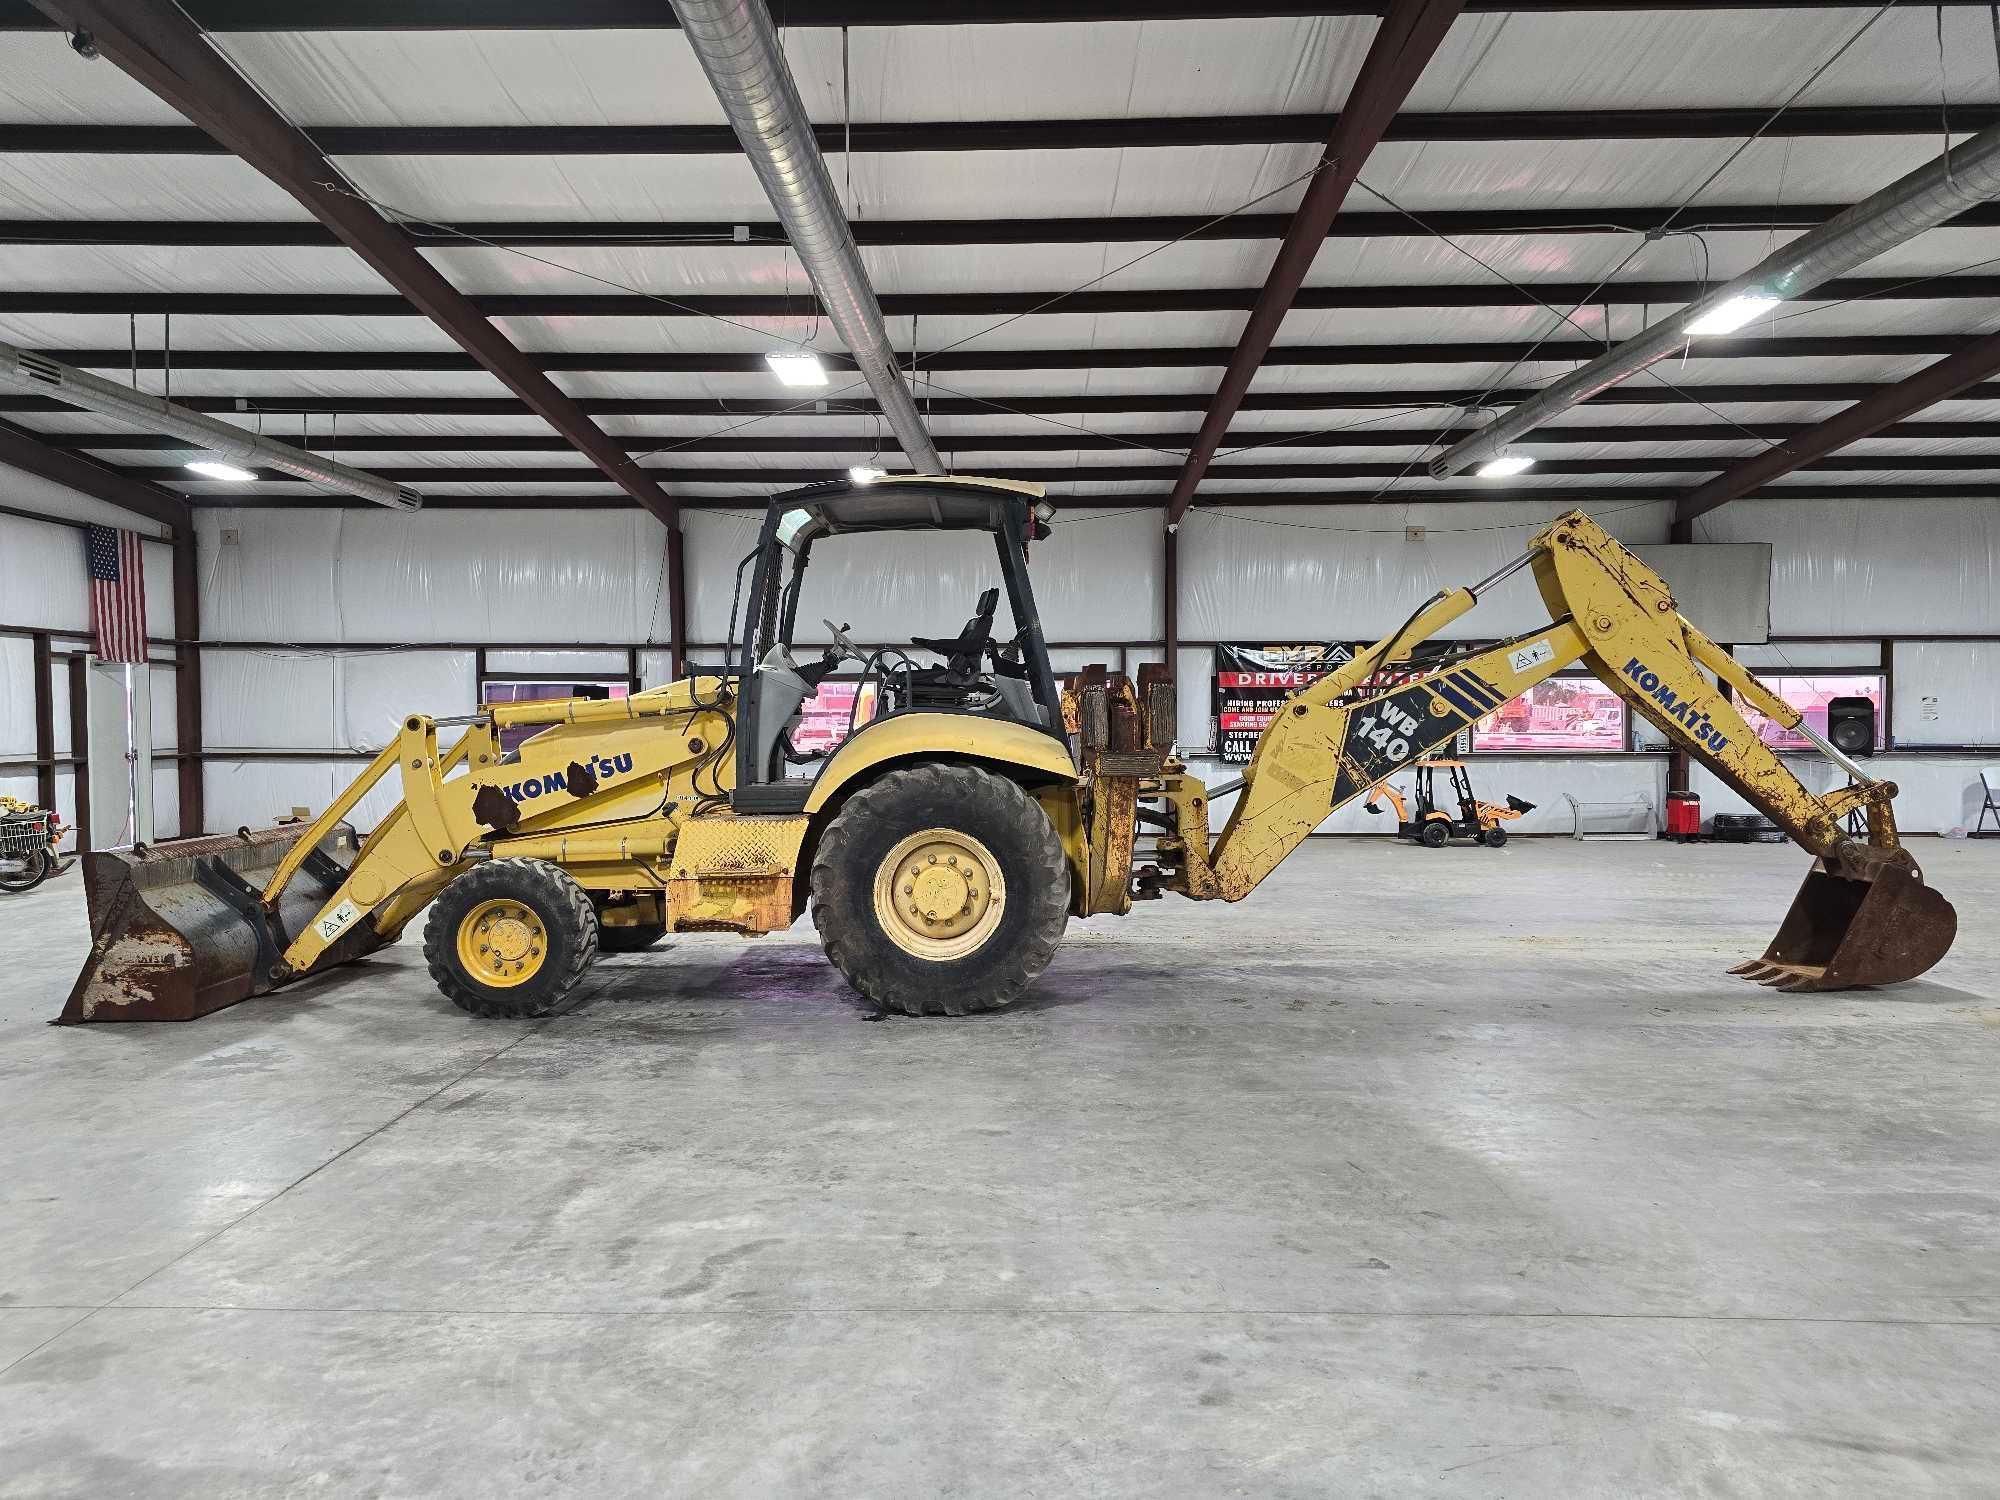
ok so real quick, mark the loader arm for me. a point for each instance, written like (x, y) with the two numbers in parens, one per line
(1864, 916)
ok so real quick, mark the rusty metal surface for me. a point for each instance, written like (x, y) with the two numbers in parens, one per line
(165, 948)
(1114, 820)
(1863, 917)
(1159, 717)
(734, 874)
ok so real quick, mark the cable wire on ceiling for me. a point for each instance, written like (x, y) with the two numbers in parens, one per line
(1763, 127)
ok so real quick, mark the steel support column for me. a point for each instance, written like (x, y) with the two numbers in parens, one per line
(79, 745)
(45, 721)
(187, 687)
(1410, 33)
(677, 601)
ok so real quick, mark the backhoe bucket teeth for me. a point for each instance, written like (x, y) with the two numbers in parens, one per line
(1876, 923)
(178, 929)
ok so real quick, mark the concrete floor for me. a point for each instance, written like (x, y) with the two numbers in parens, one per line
(1461, 1173)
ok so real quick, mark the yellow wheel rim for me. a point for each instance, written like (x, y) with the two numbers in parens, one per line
(939, 894)
(502, 943)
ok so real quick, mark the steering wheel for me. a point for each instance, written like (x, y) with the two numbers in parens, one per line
(842, 642)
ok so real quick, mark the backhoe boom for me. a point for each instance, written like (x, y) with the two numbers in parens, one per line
(1864, 916)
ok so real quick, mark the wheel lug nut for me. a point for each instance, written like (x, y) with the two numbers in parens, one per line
(951, 859)
(907, 889)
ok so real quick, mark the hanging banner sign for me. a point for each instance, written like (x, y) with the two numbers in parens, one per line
(1252, 683)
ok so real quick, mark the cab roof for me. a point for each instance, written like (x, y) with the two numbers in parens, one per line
(903, 502)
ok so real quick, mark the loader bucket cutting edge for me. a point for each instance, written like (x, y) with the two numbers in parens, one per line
(1845, 931)
(176, 931)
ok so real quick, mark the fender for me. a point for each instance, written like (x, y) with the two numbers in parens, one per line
(924, 735)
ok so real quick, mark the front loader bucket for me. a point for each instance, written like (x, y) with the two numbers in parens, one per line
(1873, 922)
(177, 929)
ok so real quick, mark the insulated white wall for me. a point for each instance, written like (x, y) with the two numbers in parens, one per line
(1946, 693)
(1096, 579)
(1872, 567)
(1338, 572)
(43, 587)
(363, 578)
(369, 589)
(42, 581)
(1935, 793)
(447, 575)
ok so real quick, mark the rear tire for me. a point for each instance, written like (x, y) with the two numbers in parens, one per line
(941, 890)
(1494, 837)
(510, 939)
(1434, 836)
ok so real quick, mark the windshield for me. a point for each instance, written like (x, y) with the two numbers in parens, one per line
(790, 524)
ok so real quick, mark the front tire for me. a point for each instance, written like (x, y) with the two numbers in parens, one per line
(941, 890)
(1494, 837)
(510, 939)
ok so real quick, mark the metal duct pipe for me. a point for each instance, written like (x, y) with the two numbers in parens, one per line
(44, 377)
(1935, 192)
(738, 49)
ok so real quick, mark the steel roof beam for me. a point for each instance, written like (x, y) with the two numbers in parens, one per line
(762, 479)
(155, 43)
(1053, 439)
(282, 406)
(1626, 494)
(633, 15)
(970, 304)
(1034, 135)
(1410, 34)
(31, 453)
(1118, 229)
(1879, 415)
(1555, 351)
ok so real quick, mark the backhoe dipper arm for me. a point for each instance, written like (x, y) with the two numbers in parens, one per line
(1640, 646)
(1864, 915)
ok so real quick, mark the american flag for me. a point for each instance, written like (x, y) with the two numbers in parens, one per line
(117, 593)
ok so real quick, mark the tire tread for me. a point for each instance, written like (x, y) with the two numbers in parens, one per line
(863, 957)
(518, 879)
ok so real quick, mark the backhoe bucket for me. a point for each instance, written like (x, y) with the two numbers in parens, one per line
(178, 929)
(1876, 922)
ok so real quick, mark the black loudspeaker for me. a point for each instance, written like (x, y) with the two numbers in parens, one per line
(1850, 725)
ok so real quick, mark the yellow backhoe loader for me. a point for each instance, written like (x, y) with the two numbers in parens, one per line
(949, 839)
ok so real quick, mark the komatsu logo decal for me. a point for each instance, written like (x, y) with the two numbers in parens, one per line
(604, 768)
(1683, 711)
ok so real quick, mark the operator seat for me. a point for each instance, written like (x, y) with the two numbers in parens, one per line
(964, 652)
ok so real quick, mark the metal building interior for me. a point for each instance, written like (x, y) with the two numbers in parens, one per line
(1246, 329)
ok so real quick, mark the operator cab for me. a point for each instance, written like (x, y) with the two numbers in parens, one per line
(1004, 675)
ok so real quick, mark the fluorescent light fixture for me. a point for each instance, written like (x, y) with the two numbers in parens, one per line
(1505, 466)
(1727, 317)
(862, 474)
(209, 469)
(796, 367)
